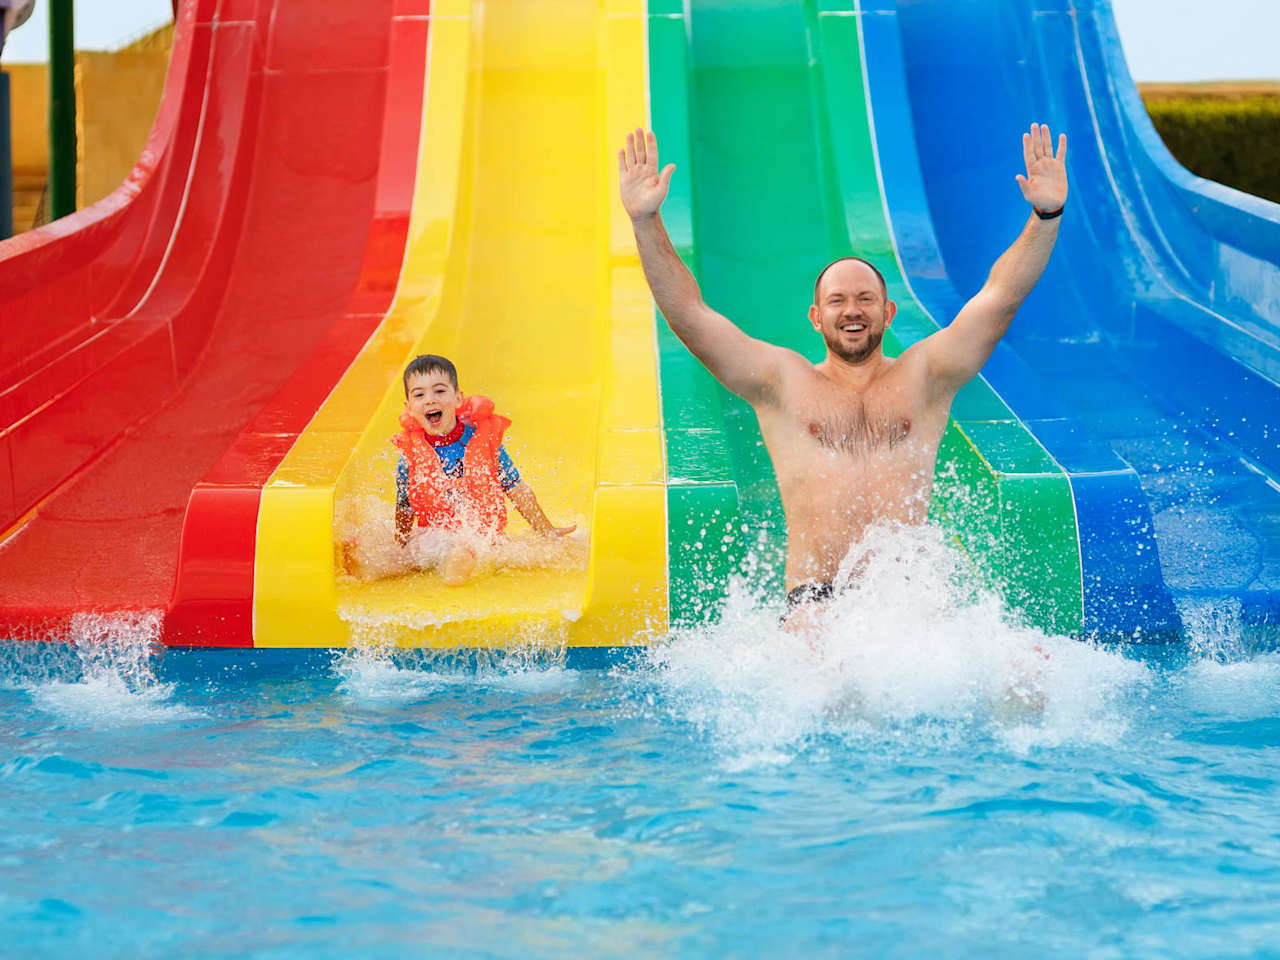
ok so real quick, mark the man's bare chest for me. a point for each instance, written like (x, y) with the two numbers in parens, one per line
(857, 428)
(877, 421)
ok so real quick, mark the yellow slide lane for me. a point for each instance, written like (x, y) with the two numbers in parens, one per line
(521, 269)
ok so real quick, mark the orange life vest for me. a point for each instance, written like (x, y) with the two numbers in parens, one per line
(476, 499)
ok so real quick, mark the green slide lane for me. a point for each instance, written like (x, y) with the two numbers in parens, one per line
(762, 108)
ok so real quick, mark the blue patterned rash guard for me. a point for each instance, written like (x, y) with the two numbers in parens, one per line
(450, 455)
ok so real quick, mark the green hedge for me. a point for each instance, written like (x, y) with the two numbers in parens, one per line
(1236, 142)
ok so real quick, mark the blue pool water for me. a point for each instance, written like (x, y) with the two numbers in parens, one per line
(922, 781)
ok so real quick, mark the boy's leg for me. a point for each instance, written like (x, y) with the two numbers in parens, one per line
(458, 565)
(369, 557)
(367, 535)
(451, 554)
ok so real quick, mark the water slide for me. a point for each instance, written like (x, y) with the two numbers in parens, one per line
(1114, 466)
(1147, 361)
(763, 108)
(162, 349)
(202, 370)
(521, 268)
(201, 373)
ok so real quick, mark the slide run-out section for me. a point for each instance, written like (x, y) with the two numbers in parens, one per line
(1147, 361)
(521, 268)
(178, 335)
(763, 108)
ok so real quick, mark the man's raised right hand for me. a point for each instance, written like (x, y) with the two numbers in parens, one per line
(643, 187)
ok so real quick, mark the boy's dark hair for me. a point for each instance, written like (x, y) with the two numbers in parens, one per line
(430, 363)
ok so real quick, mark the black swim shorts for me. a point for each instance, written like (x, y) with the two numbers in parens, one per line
(815, 591)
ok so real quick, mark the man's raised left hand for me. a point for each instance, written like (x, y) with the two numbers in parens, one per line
(1045, 185)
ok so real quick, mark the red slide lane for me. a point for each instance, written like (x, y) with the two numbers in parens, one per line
(232, 277)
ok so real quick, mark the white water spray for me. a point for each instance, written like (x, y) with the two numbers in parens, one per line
(104, 674)
(909, 646)
(374, 672)
(1227, 676)
(364, 527)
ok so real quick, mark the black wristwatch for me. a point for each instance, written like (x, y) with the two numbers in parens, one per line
(1049, 214)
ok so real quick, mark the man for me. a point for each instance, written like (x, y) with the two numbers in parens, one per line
(854, 438)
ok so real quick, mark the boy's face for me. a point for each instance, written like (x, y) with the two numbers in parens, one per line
(433, 402)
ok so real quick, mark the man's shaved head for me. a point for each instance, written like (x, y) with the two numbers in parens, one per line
(817, 284)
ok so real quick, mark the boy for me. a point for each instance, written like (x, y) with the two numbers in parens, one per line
(453, 474)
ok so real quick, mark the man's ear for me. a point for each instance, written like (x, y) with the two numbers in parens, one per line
(890, 311)
(814, 317)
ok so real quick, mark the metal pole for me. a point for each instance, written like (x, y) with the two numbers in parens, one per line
(6, 159)
(62, 109)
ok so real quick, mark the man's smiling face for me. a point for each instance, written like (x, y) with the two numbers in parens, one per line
(851, 311)
(433, 401)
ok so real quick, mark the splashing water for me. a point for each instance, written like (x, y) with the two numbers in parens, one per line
(910, 649)
(414, 794)
(364, 527)
(375, 672)
(104, 674)
(1212, 628)
(371, 675)
(1225, 674)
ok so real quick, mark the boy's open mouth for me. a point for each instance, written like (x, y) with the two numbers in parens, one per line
(434, 417)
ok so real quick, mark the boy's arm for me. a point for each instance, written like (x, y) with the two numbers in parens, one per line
(404, 523)
(404, 512)
(523, 497)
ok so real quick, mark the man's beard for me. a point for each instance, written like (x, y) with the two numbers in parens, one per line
(850, 355)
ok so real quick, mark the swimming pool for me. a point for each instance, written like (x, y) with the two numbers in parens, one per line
(889, 792)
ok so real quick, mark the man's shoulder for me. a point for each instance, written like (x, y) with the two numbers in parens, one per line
(911, 361)
(794, 365)
(791, 370)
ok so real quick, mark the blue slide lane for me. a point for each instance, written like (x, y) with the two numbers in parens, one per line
(1147, 361)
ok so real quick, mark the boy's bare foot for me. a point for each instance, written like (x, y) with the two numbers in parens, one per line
(351, 563)
(458, 566)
